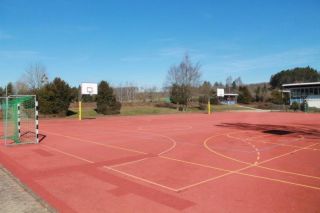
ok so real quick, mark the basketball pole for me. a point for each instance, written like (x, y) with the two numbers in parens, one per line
(80, 111)
(80, 106)
(209, 108)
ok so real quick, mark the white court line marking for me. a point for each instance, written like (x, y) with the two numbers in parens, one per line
(141, 179)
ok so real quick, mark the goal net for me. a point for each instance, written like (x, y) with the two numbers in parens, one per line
(19, 115)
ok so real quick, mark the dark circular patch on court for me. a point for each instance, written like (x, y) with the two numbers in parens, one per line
(277, 132)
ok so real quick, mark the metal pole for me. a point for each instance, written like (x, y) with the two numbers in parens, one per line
(6, 122)
(37, 118)
(80, 105)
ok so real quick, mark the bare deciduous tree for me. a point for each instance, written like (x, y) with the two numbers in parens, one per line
(35, 76)
(238, 81)
(126, 93)
(185, 75)
(21, 88)
(228, 83)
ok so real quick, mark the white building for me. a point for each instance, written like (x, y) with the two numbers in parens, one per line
(300, 92)
(226, 98)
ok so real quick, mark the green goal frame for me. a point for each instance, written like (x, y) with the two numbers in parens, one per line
(20, 120)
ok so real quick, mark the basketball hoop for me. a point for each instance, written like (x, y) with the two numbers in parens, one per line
(87, 89)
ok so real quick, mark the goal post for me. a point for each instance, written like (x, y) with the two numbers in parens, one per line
(20, 120)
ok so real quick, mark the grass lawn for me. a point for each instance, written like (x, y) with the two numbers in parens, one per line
(89, 112)
(222, 108)
(146, 110)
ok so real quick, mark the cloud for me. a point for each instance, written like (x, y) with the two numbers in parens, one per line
(166, 53)
(281, 60)
(22, 54)
(179, 52)
(13, 54)
(173, 51)
(136, 58)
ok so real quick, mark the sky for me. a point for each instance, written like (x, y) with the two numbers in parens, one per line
(137, 41)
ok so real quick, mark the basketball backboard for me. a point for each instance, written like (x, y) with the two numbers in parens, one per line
(89, 89)
(220, 92)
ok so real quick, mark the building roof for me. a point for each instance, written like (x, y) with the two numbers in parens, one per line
(301, 84)
(230, 94)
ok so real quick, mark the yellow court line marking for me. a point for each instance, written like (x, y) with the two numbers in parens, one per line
(258, 164)
(199, 183)
(248, 142)
(68, 154)
(122, 148)
(187, 127)
(186, 187)
(219, 154)
(199, 164)
(174, 142)
(110, 168)
(288, 145)
(214, 178)
(141, 179)
(97, 143)
(241, 173)
(229, 172)
(279, 180)
(196, 164)
(127, 163)
(166, 137)
(301, 137)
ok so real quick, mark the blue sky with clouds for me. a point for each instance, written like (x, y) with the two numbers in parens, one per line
(137, 41)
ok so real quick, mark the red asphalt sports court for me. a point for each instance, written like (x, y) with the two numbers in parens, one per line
(224, 162)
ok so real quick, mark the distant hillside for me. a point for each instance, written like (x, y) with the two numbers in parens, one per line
(296, 75)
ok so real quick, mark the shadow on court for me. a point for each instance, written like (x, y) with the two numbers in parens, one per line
(275, 129)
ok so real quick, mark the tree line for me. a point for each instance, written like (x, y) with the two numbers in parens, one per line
(183, 81)
(55, 96)
(183, 85)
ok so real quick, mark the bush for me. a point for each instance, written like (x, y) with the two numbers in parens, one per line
(203, 99)
(214, 100)
(179, 94)
(106, 100)
(244, 95)
(304, 107)
(166, 105)
(54, 98)
(203, 106)
(276, 97)
(294, 106)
